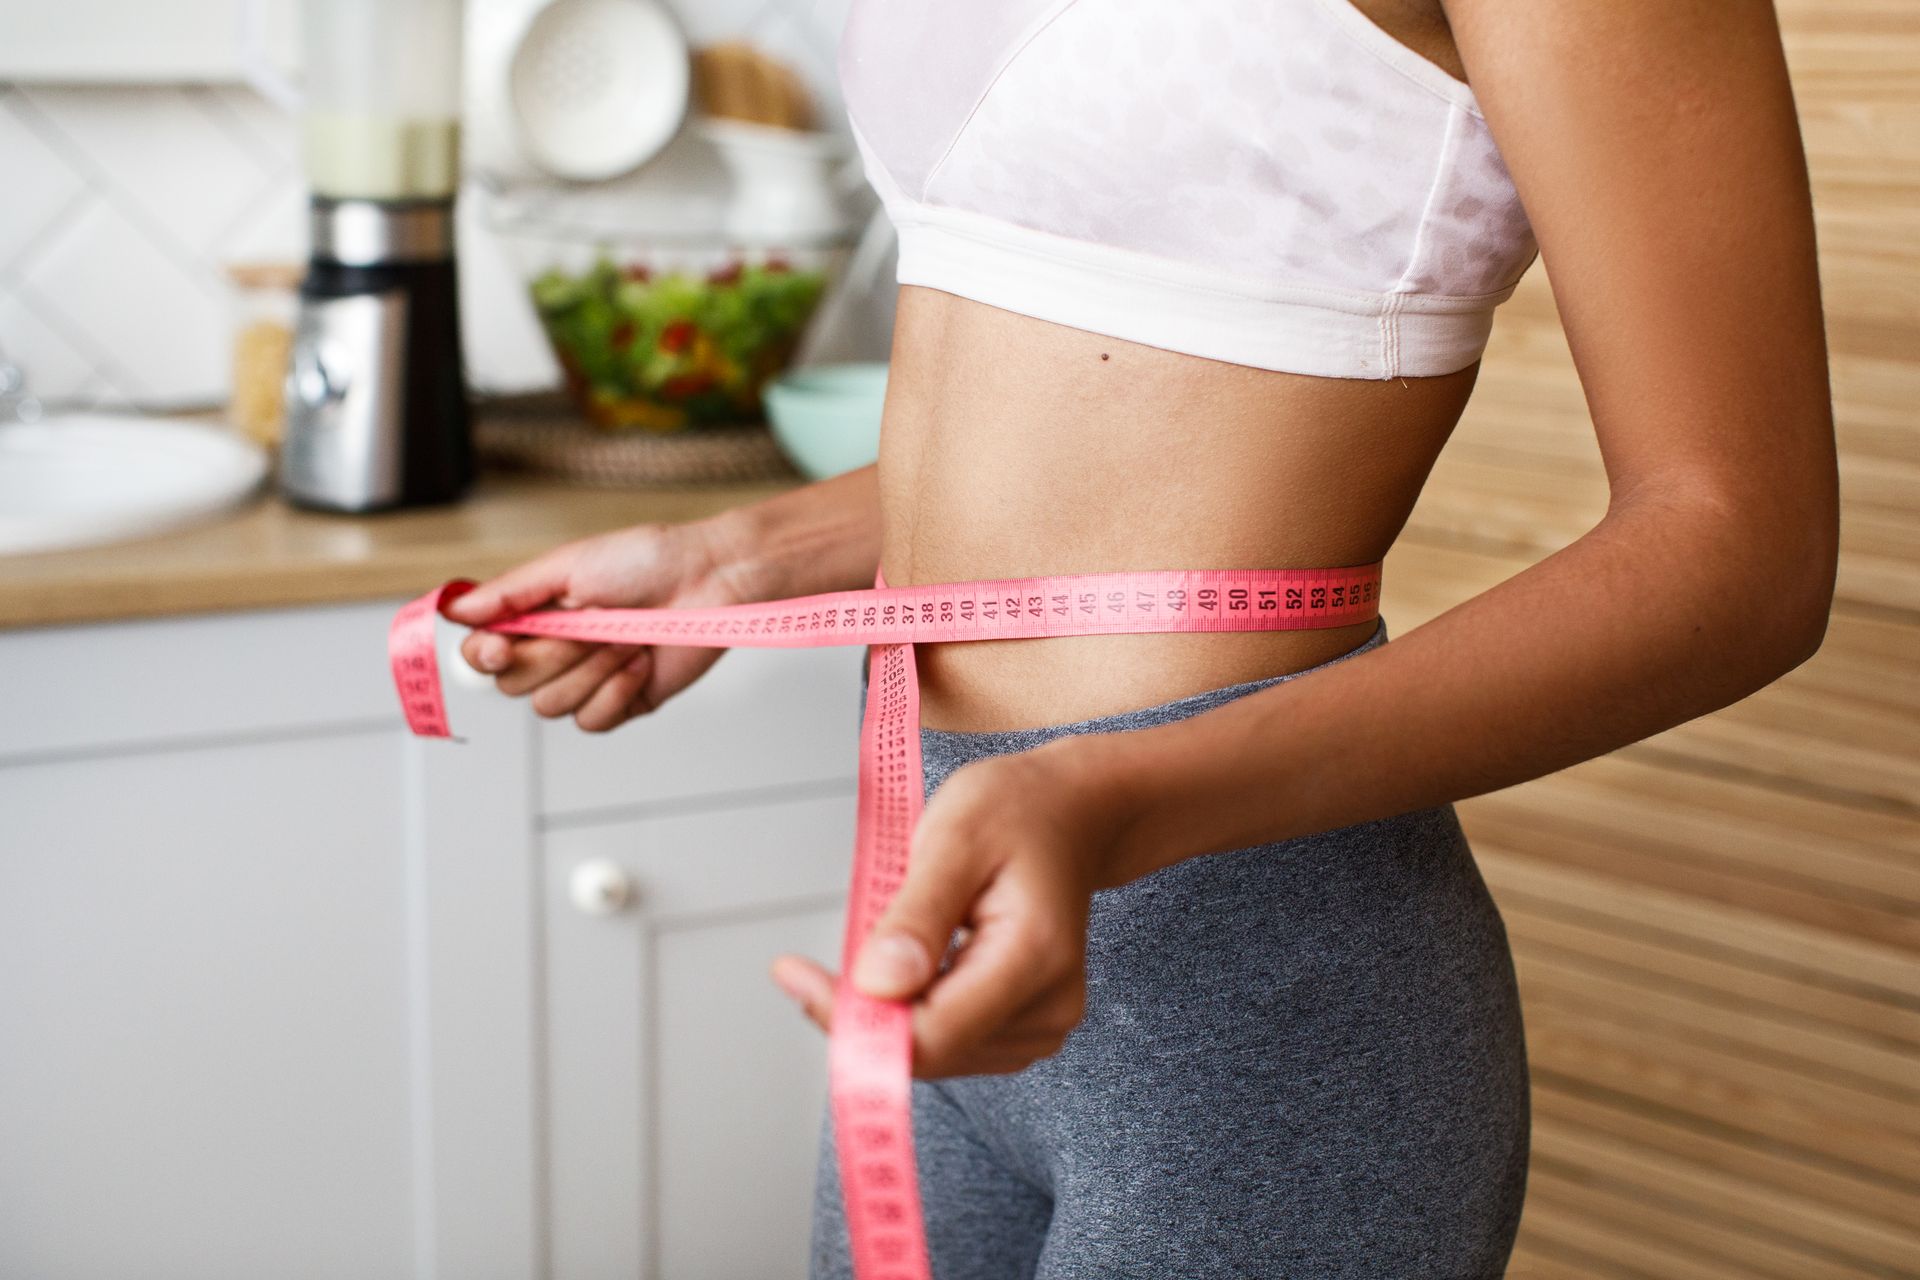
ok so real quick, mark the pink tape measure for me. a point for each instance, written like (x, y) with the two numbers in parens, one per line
(870, 1051)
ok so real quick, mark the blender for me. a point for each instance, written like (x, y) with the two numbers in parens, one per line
(377, 414)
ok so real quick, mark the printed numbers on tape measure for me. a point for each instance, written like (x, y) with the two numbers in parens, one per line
(871, 1068)
(874, 1137)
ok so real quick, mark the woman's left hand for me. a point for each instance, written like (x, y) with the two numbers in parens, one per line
(1009, 850)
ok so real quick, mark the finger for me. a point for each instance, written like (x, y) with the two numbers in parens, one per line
(519, 589)
(1045, 1019)
(900, 956)
(1035, 1034)
(808, 985)
(995, 978)
(487, 651)
(565, 693)
(620, 697)
(1050, 1023)
(1004, 1055)
(1036, 1030)
(677, 666)
(1050, 1013)
(535, 661)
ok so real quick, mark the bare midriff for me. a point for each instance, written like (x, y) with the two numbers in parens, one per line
(1014, 447)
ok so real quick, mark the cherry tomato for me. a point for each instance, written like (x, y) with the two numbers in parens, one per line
(676, 337)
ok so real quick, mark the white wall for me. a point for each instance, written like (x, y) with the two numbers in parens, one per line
(121, 203)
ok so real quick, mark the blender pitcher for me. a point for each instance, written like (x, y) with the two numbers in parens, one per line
(377, 415)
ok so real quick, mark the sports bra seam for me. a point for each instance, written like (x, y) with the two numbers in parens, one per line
(1013, 55)
(1376, 303)
(892, 186)
(1441, 167)
(1345, 15)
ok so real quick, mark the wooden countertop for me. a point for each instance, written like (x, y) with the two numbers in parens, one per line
(269, 553)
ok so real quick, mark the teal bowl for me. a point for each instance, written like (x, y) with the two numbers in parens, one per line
(826, 417)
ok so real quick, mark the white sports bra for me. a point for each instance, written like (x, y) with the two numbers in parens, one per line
(1274, 183)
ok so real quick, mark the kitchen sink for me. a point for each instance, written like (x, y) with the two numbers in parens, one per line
(81, 479)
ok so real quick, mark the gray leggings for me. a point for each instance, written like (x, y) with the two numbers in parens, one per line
(1301, 1059)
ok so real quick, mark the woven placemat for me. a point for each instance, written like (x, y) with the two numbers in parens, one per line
(561, 444)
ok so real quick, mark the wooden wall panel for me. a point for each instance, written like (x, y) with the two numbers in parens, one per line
(1718, 930)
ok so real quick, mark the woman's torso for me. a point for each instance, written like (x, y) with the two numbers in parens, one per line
(1011, 448)
(1014, 446)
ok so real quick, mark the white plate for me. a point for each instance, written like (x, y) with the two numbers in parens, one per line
(84, 479)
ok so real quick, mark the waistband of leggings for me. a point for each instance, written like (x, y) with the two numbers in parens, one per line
(1000, 741)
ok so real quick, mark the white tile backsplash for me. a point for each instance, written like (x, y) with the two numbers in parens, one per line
(39, 185)
(274, 229)
(123, 204)
(153, 322)
(162, 157)
(117, 295)
(59, 369)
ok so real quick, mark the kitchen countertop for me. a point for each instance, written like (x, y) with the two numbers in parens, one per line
(269, 553)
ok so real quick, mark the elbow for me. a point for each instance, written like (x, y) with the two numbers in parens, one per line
(1763, 539)
(1804, 626)
(1797, 602)
(1795, 639)
(1775, 575)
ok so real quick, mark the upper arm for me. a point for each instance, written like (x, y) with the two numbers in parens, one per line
(1655, 147)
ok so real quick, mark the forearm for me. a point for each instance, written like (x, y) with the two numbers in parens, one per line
(823, 536)
(1653, 618)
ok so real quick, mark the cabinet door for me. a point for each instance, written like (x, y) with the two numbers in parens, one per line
(207, 1039)
(684, 1092)
(758, 720)
(267, 964)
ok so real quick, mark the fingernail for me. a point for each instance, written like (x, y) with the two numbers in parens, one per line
(893, 963)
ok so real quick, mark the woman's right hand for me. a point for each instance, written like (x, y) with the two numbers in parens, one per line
(602, 686)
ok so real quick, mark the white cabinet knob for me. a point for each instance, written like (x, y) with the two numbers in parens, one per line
(600, 888)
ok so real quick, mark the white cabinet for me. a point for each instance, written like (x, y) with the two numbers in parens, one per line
(137, 41)
(208, 1023)
(704, 1171)
(759, 722)
(284, 991)
(205, 1014)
